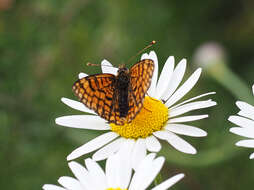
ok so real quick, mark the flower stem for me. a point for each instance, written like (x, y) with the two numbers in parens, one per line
(157, 180)
(231, 81)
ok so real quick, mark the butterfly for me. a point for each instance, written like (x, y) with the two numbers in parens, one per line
(116, 98)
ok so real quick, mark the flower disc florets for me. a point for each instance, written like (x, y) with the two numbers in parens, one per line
(151, 118)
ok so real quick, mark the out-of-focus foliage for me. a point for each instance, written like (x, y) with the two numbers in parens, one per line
(44, 45)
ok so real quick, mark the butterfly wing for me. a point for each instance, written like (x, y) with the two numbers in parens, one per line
(140, 79)
(98, 93)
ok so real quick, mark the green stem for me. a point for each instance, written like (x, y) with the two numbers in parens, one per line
(227, 78)
(158, 179)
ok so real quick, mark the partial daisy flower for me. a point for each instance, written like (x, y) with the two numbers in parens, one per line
(245, 121)
(160, 117)
(118, 175)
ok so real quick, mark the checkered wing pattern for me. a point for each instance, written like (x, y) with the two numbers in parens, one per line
(98, 93)
(140, 79)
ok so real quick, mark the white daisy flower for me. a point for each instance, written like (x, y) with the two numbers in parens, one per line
(245, 121)
(160, 117)
(117, 175)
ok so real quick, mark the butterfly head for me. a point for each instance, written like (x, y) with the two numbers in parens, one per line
(122, 70)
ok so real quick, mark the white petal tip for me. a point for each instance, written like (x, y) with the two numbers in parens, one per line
(230, 118)
(57, 121)
(184, 60)
(171, 57)
(204, 134)
(105, 61)
(96, 158)
(192, 151)
(70, 157)
(63, 99)
(199, 70)
(82, 75)
(232, 130)
(179, 177)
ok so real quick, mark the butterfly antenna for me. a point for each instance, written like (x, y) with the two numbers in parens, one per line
(93, 64)
(148, 46)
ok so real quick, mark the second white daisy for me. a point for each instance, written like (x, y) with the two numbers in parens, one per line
(117, 175)
(245, 121)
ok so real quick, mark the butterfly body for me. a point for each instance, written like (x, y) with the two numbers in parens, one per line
(123, 86)
(116, 98)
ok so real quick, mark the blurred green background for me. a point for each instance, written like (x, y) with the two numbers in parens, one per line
(44, 45)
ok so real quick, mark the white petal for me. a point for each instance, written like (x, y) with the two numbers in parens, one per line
(139, 153)
(190, 107)
(242, 122)
(77, 105)
(127, 147)
(82, 75)
(169, 182)
(96, 173)
(245, 132)
(143, 169)
(117, 173)
(69, 183)
(52, 187)
(92, 145)
(252, 154)
(165, 77)
(152, 144)
(186, 130)
(194, 98)
(108, 150)
(107, 67)
(253, 89)
(83, 122)
(177, 142)
(185, 88)
(81, 174)
(187, 118)
(125, 171)
(175, 80)
(152, 89)
(144, 56)
(247, 110)
(246, 143)
(151, 175)
(246, 114)
(111, 170)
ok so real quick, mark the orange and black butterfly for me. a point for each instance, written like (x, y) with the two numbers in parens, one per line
(118, 99)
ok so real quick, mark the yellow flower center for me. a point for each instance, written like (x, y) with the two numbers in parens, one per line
(115, 189)
(151, 118)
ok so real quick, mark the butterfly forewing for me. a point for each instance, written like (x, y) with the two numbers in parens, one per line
(100, 93)
(140, 79)
(96, 92)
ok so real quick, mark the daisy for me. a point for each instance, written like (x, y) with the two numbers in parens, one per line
(117, 175)
(160, 117)
(245, 121)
